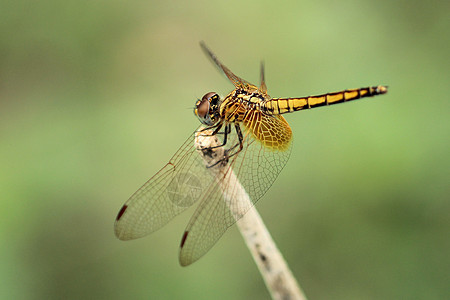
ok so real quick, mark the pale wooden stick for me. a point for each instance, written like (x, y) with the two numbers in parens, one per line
(278, 278)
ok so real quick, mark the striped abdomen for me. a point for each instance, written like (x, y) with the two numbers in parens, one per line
(276, 106)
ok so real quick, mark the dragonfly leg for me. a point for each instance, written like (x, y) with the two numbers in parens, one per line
(240, 144)
(216, 131)
(227, 128)
(226, 155)
(216, 128)
(225, 136)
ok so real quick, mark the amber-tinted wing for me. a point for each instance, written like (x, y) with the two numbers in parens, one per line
(236, 80)
(256, 167)
(273, 132)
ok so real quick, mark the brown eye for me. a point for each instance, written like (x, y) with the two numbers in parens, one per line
(209, 95)
(203, 108)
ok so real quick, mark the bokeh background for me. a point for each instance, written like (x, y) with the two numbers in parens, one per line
(95, 97)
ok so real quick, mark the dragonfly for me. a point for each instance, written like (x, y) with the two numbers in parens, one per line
(256, 141)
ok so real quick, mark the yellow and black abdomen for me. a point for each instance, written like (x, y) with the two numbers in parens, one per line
(277, 106)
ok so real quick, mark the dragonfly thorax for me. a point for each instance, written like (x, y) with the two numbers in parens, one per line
(207, 109)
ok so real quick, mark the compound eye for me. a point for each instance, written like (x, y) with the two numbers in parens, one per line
(203, 108)
(211, 97)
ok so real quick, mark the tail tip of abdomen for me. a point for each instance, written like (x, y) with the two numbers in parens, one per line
(381, 89)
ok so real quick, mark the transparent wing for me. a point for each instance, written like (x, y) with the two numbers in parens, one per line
(236, 80)
(178, 185)
(256, 167)
(262, 86)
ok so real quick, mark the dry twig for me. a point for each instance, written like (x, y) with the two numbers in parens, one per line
(274, 269)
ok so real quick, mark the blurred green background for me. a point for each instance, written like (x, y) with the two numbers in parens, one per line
(95, 97)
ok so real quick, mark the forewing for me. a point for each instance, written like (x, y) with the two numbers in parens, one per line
(178, 185)
(256, 167)
(236, 80)
(262, 86)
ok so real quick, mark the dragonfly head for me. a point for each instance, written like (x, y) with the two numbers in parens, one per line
(207, 109)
